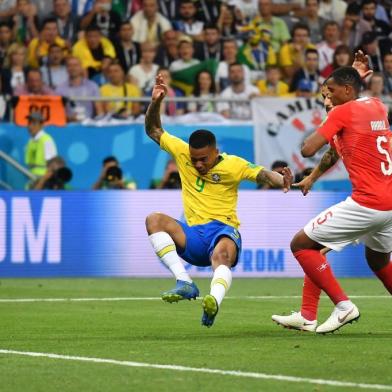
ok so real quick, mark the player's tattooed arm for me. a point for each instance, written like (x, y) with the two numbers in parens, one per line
(153, 116)
(329, 158)
(276, 180)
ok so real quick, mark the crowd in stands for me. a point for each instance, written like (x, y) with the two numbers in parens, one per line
(205, 48)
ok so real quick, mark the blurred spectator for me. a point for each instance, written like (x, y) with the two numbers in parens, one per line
(34, 85)
(210, 47)
(67, 24)
(41, 147)
(257, 53)
(79, 86)
(209, 11)
(167, 51)
(370, 46)
(54, 72)
(306, 81)
(292, 54)
(237, 89)
(171, 178)
(376, 87)
(388, 74)
(170, 108)
(327, 47)
(102, 77)
(186, 58)
(102, 16)
(227, 22)
(314, 21)
(380, 27)
(342, 57)
(333, 10)
(7, 9)
(267, 22)
(4, 107)
(204, 88)
(127, 51)
(169, 8)
(56, 177)
(148, 24)
(187, 22)
(25, 21)
(13, 74)
(118, 88)
(354, 26)
(92, 49)
(43, 7)
(5, 41)
(273, 86)
(278, 167)
(111, 176)
(39, 47)
(230, 51)
(248, 9)
(143, 74)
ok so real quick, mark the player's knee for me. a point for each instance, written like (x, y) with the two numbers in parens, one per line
(155, 222)
(222, 257)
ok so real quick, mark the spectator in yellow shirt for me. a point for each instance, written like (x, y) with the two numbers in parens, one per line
(38, 48)
(92, 49)
(272, 86)
(117, 87)
(292, 54)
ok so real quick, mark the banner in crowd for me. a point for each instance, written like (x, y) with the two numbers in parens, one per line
(281, 126)
(103, 233)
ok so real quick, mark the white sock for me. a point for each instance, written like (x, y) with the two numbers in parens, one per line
(344, 305)
(221, 283)
(165, 249)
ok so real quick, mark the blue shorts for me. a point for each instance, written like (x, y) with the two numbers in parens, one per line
(202, 239)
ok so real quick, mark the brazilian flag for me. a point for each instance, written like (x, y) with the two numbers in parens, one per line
(186, 78)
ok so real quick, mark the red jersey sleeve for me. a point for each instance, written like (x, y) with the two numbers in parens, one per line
(335, 122)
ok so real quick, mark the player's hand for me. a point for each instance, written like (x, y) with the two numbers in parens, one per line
(287, 179)
(160, 89)
(361, 64)
(305, 185)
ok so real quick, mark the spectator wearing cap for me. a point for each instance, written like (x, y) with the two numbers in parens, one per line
(306, 81)
(313, 20)
(278, 167)
(34, 85)
(148, 24)
(102, 15)
(92, 49)
(353, 26)
(326, 48)
(380, 27)
(187, 22)
(211, 46)
(41, 147)
(38, 48)
(186, 58)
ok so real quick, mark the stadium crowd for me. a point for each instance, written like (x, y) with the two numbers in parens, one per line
(204, 48)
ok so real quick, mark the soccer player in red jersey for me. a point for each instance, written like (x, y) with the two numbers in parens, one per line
(359, 131)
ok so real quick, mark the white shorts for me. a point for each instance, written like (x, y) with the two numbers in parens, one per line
(348, 222)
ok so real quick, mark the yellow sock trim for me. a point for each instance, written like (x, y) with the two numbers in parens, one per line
(166, 250)
(220, 281)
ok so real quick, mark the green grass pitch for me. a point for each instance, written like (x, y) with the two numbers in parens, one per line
(150, 331)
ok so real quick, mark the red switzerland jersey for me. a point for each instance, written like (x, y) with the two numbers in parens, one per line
(359, 130)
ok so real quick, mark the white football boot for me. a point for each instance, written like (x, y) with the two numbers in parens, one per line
(338, 318)
(295, 321)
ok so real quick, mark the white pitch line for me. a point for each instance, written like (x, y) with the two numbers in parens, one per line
(114, 299)
(234, 373)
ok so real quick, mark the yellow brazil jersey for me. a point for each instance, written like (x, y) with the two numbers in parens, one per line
(212, 196)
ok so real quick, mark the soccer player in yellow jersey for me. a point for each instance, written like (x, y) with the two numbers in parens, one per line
(210, 183)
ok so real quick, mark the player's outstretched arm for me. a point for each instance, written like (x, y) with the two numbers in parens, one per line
(275, 179)
(327, 161)
(153, 116)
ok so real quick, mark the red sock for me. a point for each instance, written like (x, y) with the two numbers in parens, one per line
(318, 269)
(385, 275)
(310, 299)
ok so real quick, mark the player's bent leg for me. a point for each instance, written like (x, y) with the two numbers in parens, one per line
(223, 258)
(381, 265)
(166, 235)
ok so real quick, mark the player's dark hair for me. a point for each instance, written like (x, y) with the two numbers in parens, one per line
(347, 76)
(202, 138)
(278, 164)
(111, 158)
